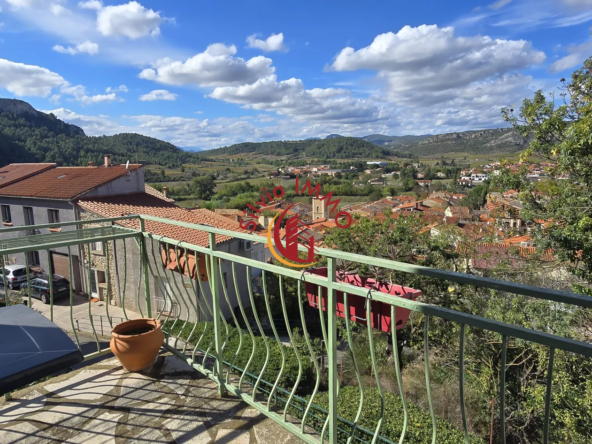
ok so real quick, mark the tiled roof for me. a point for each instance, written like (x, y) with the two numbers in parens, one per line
(143, 203)
(66, 182)
(14, 172)
(154, 192)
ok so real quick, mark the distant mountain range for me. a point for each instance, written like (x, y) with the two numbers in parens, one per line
(28, 135)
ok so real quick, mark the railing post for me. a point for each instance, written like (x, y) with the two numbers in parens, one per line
(215, 277)
(332, 349)
(145, 268)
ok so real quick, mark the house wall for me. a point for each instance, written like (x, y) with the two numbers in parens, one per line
(40, 216)
(133, 182)
(127, 280)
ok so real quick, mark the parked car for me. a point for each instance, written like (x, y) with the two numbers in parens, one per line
(15, 275)
(40, 288)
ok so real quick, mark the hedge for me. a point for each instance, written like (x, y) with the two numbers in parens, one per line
(419, 427)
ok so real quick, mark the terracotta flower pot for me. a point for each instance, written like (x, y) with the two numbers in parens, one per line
(136, 343)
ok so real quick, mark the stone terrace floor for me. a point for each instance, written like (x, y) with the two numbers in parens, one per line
(105, 404)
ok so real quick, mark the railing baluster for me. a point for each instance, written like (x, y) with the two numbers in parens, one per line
(312, 356)
(124, 277)
(179, 299)
(71, 275)
(206, 322)
(374, 365)
(140, 280)
(294, 348)
(144, 257)
(248, 325)
(92, 324)
(160, 279)
(503, 390)
(548, 396)
(189, 300)
(332, 350)
(398, 372)
(216, 311)
(262, 334)
(277, 339)
(29, 277)
(238, 329)
(50, 273)
(461, 382)
(108, 289)
(426, 358)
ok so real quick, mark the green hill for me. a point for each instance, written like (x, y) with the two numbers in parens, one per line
(28, 135)
(332, 148)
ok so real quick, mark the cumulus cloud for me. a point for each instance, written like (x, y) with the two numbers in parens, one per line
(129, 20)
(216, 66)
(86, 47)
(91, 4)
(120, 88)
(79, 93)
(289, 97)
(577, 55)
(28, 80)
(158, 94)
(433, 63)
(275, 42)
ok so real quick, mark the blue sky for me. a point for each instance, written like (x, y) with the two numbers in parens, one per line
(204, 74)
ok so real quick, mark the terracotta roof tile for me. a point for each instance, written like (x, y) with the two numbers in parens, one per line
(154, 192)
(15, 172)
(143, 203)
(65, 182)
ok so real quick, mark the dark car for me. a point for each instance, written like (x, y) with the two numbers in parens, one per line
(40, 288)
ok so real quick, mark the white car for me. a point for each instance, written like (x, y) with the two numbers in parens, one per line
(15, 275)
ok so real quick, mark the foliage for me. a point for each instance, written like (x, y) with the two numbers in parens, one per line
(272, 370)
(42, 137)
(561, 134)
(419, 429)
(334, 148)
(203, 187)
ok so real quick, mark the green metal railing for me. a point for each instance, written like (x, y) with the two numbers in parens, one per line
(209, 311)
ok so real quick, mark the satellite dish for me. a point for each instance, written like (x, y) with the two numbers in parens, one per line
(127, 165)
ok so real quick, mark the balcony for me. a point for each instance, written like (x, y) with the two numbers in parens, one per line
(252, 351)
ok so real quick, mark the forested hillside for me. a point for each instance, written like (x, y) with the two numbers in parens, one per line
(331, 148)
(27, 135)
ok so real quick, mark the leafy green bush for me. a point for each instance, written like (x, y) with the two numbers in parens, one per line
(272, 370)
(419, 425)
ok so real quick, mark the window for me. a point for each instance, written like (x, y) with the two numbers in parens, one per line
(28, 212)
(6, 214)
(53, 216)
(96, 247)
(33, 258)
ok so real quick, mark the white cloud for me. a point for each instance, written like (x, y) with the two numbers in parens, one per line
(129, 20)
(289, 97)
(18, 4)
(120, 88)
(499, 4)
(28, 80)
(577, 4)
(57, 9)
(216, 66)
(275, 42)
(158, 94)
(79, 93)
(430, 64)
(91, 4)
(86, 47)
(577, 55)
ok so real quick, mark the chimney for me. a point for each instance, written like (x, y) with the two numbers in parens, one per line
(164, 191)
(90, 164)
(107, 160)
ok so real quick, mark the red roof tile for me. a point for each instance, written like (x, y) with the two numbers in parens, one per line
(66, 182)
(15, 172)
(154, 192)
(143, 203)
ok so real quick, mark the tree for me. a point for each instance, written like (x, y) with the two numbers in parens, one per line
(203, 187)
(561, 134)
